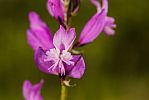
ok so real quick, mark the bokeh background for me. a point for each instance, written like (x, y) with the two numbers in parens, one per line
(117, 68)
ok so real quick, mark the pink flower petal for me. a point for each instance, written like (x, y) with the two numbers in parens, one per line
(32, 92)
(42, 64)
(93, 28)
(108, 29)
(39, 33)
(56, 9)
(63, 40)
(77, 70)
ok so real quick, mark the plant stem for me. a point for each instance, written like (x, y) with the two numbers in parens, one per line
(63, 92)
(67, 23)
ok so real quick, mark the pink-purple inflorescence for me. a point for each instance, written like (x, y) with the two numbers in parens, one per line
(55, 54)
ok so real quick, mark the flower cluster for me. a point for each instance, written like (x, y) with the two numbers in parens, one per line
(54, 54)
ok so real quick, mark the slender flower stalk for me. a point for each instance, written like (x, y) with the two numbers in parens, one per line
(63, 91)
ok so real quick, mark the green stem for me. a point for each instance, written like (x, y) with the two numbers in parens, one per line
(63, 92)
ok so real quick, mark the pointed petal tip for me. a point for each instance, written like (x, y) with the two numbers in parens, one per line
(33, 16)
(32, 13)
(27, 84)
(26, 81)
(97, 4)
(62, 28)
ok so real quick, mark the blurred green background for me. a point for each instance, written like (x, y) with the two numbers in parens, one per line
(117, 68)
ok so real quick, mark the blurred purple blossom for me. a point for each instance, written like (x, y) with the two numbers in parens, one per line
(52, 55)
(32, 92)
(39, 34)
(56, 9)
(98, 23)
(61, 10)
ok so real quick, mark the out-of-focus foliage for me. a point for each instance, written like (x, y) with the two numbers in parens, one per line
(117, 67)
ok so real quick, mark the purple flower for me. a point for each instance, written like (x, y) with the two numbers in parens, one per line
(56, 9)
(32, 92)
(37, 29)
(53, 56)
(98, 23)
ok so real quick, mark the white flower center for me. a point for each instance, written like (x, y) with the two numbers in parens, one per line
(58, 60)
